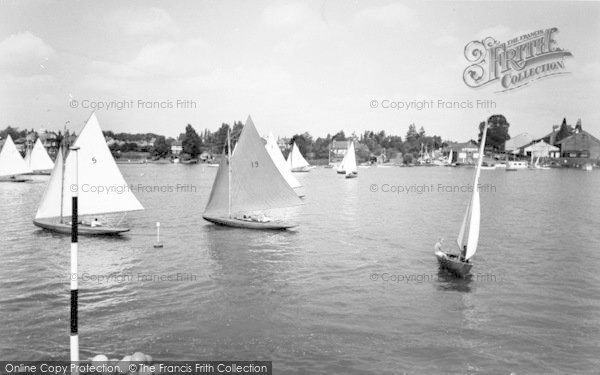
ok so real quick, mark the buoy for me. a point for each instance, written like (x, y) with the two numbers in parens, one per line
(158, 243)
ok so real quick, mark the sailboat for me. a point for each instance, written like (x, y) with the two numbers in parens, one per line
(296, 162)
(12, 163)
(348, 164)
(449, 162)
(277, 157)
(38, 160)
(537, 164)
(248, 186)
(96, 170)
(467, 241)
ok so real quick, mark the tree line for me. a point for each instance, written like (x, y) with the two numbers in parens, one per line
(369, 144)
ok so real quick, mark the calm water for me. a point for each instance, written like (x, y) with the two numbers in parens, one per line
(306, 298)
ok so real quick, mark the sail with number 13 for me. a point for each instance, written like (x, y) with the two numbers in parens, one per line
(249, 191)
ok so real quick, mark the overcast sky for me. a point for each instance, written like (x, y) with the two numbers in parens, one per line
(294, 66)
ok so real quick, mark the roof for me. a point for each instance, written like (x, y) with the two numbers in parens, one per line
(578, 135)
(541, 146)
(518, 141)
(462, 145)
(339, 145)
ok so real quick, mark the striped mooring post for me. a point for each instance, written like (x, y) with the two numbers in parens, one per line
(74, 287)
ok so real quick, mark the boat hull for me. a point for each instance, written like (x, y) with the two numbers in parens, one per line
(452, 264)
(235, 223)
(82, 229)
(352, 175)
(301, 169)
(14, 180)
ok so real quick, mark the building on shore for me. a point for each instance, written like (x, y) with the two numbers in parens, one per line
(541, 149)
(337, 151)
(462, 153)
(579, 149)
(176, 148)
(517, 144)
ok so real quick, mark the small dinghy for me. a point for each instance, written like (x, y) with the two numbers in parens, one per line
(468, 236)
(348, 165)
(296, 162)
(38, 160)
(12, 164)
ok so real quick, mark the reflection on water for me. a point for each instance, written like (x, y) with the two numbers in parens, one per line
(446, 281)
(305, 298)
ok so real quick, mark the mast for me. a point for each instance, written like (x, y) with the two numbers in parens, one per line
(229, 174)
(62, 180)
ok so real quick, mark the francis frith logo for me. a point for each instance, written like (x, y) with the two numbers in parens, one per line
(516, 62)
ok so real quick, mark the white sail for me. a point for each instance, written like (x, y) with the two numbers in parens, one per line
(256, 184)
(50, 204)
(463, 227)
(474, 211)
(450, 157)
(295, 159)
(101, 187)
(349, 161)
(38, 158)
(218, 202)
(28, 158)
(11, 161)
(277, 157)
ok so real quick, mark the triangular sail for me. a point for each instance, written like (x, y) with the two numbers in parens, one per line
(450, 157)
(11, 161)
(50, 205)
(277, 157)
(28, 158)
(39, 159)
(349, 161)
(101, 187)
(475, 209)
(256, 184)
(295, 159)
(218, 201)
(463, 227)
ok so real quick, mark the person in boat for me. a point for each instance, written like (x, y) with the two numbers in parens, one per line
(95, 223)
(463, 254)
(438, 245)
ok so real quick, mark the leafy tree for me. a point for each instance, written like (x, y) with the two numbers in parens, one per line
(339, 136)
(161, 148)
(191, 142)
(497, 133)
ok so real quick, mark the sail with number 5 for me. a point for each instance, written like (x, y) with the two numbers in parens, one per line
(100, 186)
(248, 187)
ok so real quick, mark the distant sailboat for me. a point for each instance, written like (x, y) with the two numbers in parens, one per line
(96, 169)
(348, 165)
(248, 186)
(38, 160)
(12, 163)
(459, 264)
(277, 157)
(296, 162)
